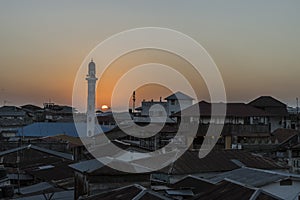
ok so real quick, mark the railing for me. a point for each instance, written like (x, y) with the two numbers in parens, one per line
(232, 129)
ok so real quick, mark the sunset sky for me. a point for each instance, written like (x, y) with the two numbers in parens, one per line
(255, 44)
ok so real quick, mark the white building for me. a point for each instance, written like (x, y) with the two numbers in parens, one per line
(177, 102)
(174, 103)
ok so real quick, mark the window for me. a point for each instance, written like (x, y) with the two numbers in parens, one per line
(172, 102)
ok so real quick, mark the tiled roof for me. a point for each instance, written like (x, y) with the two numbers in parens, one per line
(270, 105)
(233, 110)
(283, 135)
(267, 101)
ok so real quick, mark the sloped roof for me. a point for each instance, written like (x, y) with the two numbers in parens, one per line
(88, 166)
(58, 171)
(232, 110)
(11, 122)
(40, 149)
(178, 95)
(232, 190)
(64, 195)
(267, 101)
(270, 105)
(283, 135)
(73, 141)
(227, 190)
(42, 129)
(96, 167)
(253, 177)
(198, 185)
(263, 195)
(130, 192)
(11, 111)
(30, 107)
(117, 132)
(215, 161)
(38, 188)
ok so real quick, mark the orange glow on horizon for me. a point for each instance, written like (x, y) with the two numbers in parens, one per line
(104, 107)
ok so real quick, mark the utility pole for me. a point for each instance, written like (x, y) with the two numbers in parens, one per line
(297, 114)
(133, 102)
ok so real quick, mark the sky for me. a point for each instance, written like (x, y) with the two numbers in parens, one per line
(255, 44)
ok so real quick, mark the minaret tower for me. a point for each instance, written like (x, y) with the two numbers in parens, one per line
(91, 116)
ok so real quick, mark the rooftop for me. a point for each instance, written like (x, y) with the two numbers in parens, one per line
(231, 190)
(42, 129)
(204, 108)
(136, 192)
(178, 96)
(253, 177)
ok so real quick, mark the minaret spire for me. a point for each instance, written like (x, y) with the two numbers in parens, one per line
(91, 116)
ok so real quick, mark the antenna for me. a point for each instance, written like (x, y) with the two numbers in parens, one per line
(133, 101)
(297, 115)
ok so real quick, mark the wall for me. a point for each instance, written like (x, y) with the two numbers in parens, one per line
(173, 108)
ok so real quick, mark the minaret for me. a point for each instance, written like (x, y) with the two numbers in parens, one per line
(91, 116)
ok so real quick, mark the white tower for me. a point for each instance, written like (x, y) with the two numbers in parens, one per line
(91, 116)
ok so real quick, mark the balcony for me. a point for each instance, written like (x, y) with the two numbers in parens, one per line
(235, 129)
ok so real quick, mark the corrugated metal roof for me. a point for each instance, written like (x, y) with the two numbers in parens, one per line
(198, 185)
(11, 111)
(251, 177)
(19, 176)
(36, 188)
(51, 152)
(215, 161)
(65, 195)
(42, 129)
(232, 190)
(227, 190)
(87, 166)
(44, 150)
(136, 192)
(186, 192)
(95, 166)
(60, 171)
